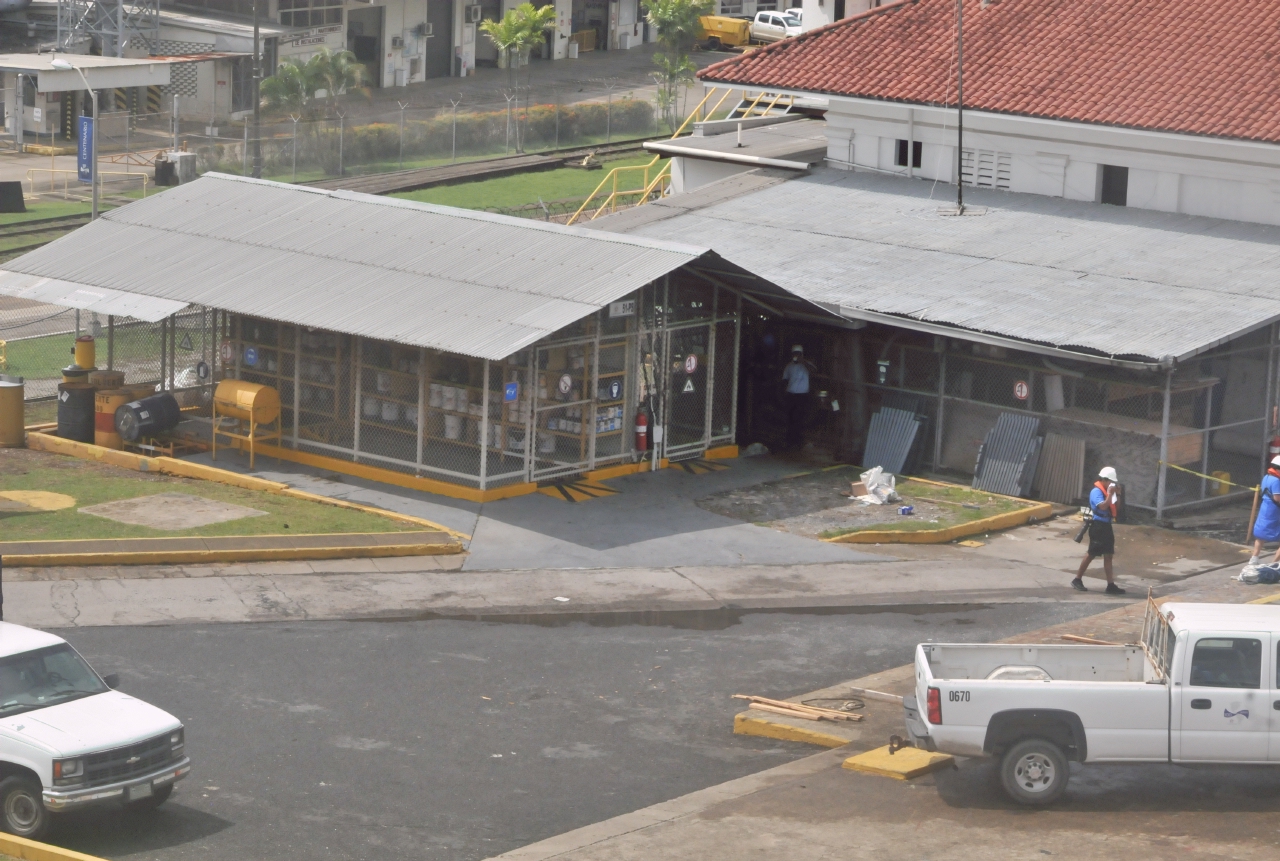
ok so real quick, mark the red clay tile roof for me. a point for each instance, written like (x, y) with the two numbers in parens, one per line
(1205, 67)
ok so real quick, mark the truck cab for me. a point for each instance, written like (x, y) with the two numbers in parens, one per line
(774, 26)
(69, 740)
(1201, 686)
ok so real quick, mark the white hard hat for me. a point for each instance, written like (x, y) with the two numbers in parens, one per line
(1109, 473)
(1275, 461)
(797, 349)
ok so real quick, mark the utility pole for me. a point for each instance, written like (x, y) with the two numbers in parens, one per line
(257, 96)
(959, 107)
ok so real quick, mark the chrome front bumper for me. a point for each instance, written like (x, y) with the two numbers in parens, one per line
(56, 799)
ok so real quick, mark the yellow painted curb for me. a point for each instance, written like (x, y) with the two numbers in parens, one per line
(398, 479)
(905, 764)
(186, 469)
(1270, 599)
(209, 557)
(30, 850)
(1008, 520)
(617, 470)
(744, 725)
(723, 452)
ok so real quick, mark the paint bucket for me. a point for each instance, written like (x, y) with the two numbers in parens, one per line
(75, 411)
(105, 404)
(453, 427)
(85, 352)
(101, 380)
(390, 411)
(371, 407)
(75, 374)
(12, 407)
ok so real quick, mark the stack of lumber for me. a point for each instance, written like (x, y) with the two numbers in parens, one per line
(796, 710)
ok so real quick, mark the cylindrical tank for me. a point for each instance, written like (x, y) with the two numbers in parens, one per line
(139, 390)
(106, 379)
(104, 416)
(12, 392)
(247, 401)
(148, 416)
(86, 353)
(75, 411)
(75, 374)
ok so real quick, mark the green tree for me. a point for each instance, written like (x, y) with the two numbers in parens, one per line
(677, 24)
(293, 88)
(515, 34)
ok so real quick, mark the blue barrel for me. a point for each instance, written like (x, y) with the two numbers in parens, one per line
(148, 416)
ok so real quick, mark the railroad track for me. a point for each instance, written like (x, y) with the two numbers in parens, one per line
(45, 225)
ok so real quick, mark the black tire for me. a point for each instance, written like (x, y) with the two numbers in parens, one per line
(1034, 772)
(22, 810)
(713, 44)
(155, 799)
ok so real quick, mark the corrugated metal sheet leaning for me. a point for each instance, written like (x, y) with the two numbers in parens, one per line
(889, 439)
(1009, 451)
(1060, 476)
(472, 283)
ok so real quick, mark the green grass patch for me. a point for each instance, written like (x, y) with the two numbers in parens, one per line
(962, 505)
(525, 188)
(44, 209)
(92, 484)
(44, 357)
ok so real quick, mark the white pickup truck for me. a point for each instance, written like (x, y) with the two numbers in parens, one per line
(1202, 686)
(69, 740)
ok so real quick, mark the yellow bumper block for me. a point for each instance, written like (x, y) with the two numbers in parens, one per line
(906, 763)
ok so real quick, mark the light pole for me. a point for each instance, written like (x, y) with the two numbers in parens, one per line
(257, 95)
(64, 66)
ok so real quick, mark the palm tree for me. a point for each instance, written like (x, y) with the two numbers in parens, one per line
(288, 90)
(514, 35)
(677, 23)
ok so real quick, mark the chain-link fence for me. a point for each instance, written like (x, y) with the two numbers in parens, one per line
(346, 141)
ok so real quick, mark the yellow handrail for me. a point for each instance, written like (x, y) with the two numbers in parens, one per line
(612, 176)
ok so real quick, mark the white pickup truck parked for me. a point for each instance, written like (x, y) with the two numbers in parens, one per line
(69, 740)
(1203, 686)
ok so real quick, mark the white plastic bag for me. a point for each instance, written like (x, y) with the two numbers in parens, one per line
(880, 487)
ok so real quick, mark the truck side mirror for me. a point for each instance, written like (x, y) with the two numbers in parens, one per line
(112, 680)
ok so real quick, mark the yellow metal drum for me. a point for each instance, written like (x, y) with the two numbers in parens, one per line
(247, 401)
(12, 434)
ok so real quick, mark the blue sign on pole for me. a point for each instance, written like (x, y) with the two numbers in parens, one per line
(84, 154)
(511, 392)
(250, 356)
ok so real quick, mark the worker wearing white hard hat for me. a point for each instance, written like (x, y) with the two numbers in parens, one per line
(1102, 537)
(1266, 529)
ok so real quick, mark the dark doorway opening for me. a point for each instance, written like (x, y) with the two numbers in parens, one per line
(439, 51)
(839, 9)
(364, 39)
(1115, 185)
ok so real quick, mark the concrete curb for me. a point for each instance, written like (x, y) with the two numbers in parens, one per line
(186, 469)
(747, 724)
(178, 556)
(1008, 520)
(30, 850)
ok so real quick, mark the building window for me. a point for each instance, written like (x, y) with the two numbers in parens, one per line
(1115, 185)
(310, 13)
(730, 7)
(917, 151)
(986, 168)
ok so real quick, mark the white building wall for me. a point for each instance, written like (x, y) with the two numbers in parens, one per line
(1238, 180)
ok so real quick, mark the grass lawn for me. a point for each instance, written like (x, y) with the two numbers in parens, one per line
(524, 188)
(137, 349)
(43, 209)
(91, 483)
(962, 505)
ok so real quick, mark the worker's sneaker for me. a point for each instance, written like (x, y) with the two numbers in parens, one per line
(1113, 589)
(1078, 585)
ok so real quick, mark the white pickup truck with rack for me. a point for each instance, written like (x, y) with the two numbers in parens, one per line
(1202, 686)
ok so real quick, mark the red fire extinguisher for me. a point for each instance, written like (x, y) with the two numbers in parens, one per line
(642, 430)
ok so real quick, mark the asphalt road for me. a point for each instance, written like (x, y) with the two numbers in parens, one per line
(461, 740)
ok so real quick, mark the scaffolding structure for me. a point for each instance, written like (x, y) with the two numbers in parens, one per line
(113, 24)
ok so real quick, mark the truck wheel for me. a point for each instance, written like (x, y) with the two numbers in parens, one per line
(23, 806)
(713, 44)
(1034, 772)
(151, 802)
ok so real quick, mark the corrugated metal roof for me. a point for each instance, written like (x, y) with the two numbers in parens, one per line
(98, 299)
(1096, 279)
(466, 282)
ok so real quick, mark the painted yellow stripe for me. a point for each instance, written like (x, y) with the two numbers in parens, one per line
(209, 557)
(1008, 520)
(1270, 599)
(30, 850)
(744, 725)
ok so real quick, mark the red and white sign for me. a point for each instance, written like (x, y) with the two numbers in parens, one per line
(226, 351)
(690, 363)
(1021, 390)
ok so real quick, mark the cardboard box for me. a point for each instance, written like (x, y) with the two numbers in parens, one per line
(858, 489)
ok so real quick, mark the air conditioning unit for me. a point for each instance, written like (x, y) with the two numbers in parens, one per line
(426, 31)
(397, 42)
(473, 14)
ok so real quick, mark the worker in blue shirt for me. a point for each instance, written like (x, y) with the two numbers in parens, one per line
(1102, 538)
(796, 397)
(1266, 528)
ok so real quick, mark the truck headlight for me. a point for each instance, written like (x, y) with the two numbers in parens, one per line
(177, 739)
(68, 772)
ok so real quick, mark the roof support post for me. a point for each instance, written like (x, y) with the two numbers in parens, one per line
(422, 403)
(111, 342)
(297, 381)
(484, 429)
(1164, 447)
(942, 400)
(355, 441)
(737, 351)
(1268, 421)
